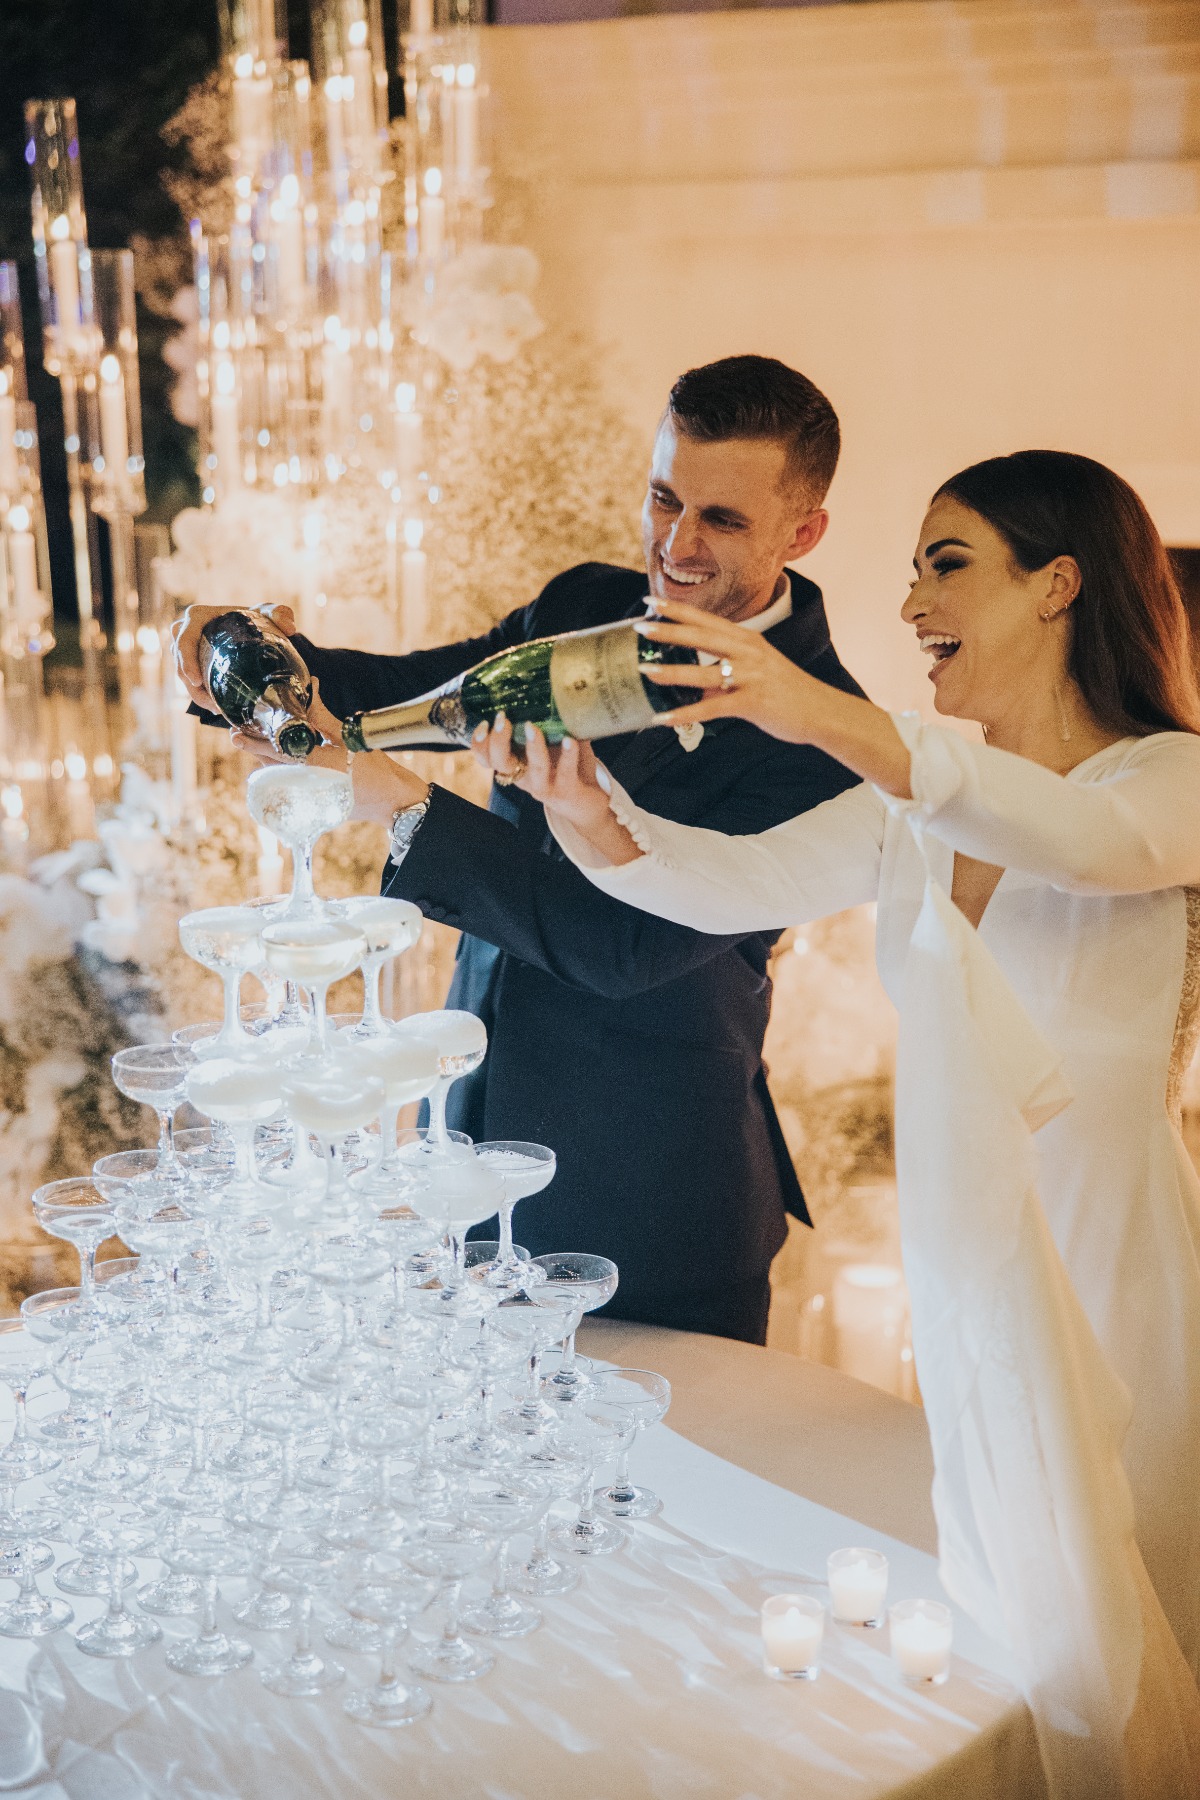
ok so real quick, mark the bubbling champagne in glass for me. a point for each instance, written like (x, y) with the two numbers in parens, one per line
(299, 805)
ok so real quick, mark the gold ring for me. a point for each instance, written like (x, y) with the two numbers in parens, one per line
(726, 668)
(502, 780)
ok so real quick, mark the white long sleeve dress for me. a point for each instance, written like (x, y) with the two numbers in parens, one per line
(1050, 1214)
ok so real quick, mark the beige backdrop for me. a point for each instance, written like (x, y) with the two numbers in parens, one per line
(975, 225)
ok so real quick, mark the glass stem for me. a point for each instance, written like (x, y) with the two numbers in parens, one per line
(320, 1027)
(116, 1584)
(372, 1014)
(437, 1112)
(25, 1569)
(541, 1543)
(304, 1606)
(506, 1242)
(231, 1026)
(587, 1497)
(567, 1364)
(87, 1271)
(387, 1658)
(208, 1615)
(21, 1427)
(450, 1632)
(388, 1162)
(620, 1484)
(500, 1583)
(304, 894)
(165, 1146)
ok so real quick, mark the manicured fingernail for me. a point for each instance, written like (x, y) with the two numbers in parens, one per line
(480, 732)
(500, 721)
(568, 743)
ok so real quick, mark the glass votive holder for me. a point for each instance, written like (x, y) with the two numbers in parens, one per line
(792, 1628)
(921, 1632)
(858, 1586)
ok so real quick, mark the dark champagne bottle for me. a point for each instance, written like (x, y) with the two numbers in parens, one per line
(584, 684)
(259, 680)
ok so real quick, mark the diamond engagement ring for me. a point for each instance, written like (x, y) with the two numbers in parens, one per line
(726, 668)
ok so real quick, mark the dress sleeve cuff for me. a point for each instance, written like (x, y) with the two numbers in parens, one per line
(938, 766)
(639, 825)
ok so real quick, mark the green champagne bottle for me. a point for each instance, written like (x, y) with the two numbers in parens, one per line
(584, 684)
(258, 680)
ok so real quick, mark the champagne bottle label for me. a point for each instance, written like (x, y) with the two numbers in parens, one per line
(597, 684)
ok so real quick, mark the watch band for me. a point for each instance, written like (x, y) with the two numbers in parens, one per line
(406, 822)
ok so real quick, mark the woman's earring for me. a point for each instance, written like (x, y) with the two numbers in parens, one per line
(1048, 618)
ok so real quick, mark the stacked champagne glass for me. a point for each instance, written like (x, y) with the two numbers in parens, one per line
(307, 1394)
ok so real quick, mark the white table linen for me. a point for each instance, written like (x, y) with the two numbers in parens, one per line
(644, 1684)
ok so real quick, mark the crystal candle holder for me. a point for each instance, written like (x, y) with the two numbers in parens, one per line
(858, 1586)
(922, 1632)
(793, 1626)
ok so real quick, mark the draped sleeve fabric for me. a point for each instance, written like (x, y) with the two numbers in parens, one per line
(1126, 827)
(818, 863)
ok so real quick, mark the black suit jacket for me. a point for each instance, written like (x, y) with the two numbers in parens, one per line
(630, 1045)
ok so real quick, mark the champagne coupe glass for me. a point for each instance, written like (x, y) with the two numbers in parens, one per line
(22, 1362)
(117, 1631)
(225, 939)
(633, 1399)
(461, 1043)
(457, 1195)
(240, 1096)
(206, 1556)
(344, 1265)
(595, 1435)
(302, 1564)
(525, 1170)
(77, 1212)
(387, 1593)
(156, 1075)
(293, 1415)
(390, 927)
(450, 1549)
(102, 1367)
(502, 1505)
(199, 1397)
(533, 1329)
(32, 1614)
(50, 1317)
(161, 1233)
(331, 1101)
(254, 1248)
(408, 1069)
(593, 1279)
(561, 1465)
(14, 1523)
(410, 1239)
(299, 805)
(314, 953)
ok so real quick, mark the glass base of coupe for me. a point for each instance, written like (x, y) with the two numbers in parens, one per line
(307, 1411)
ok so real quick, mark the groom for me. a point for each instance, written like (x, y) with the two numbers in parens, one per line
(633, 1047)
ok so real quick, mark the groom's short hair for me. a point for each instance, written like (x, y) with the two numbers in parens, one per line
(760, 397)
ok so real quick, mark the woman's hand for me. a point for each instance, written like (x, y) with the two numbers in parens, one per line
(381, 786)
(567, 779)
(185, 640)
(751, 680)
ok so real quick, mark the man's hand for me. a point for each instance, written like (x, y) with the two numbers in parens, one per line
(381, 787)
(185, 637)
(564, 777)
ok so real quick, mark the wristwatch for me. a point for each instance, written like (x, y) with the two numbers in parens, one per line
(406, 822)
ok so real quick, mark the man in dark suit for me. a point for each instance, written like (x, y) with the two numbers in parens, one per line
(630, 1045)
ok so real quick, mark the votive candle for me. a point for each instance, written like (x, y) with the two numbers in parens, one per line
(793, 1626)
(922, 1632)
(858, 1586)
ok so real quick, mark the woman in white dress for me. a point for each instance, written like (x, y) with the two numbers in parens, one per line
(1039, 930)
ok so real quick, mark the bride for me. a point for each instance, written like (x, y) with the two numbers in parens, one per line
(1039, 931)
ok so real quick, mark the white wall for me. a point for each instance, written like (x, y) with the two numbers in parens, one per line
(976, 226)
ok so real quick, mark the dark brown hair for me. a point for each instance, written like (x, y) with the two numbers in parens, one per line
(1130, 644)
(758, 397)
